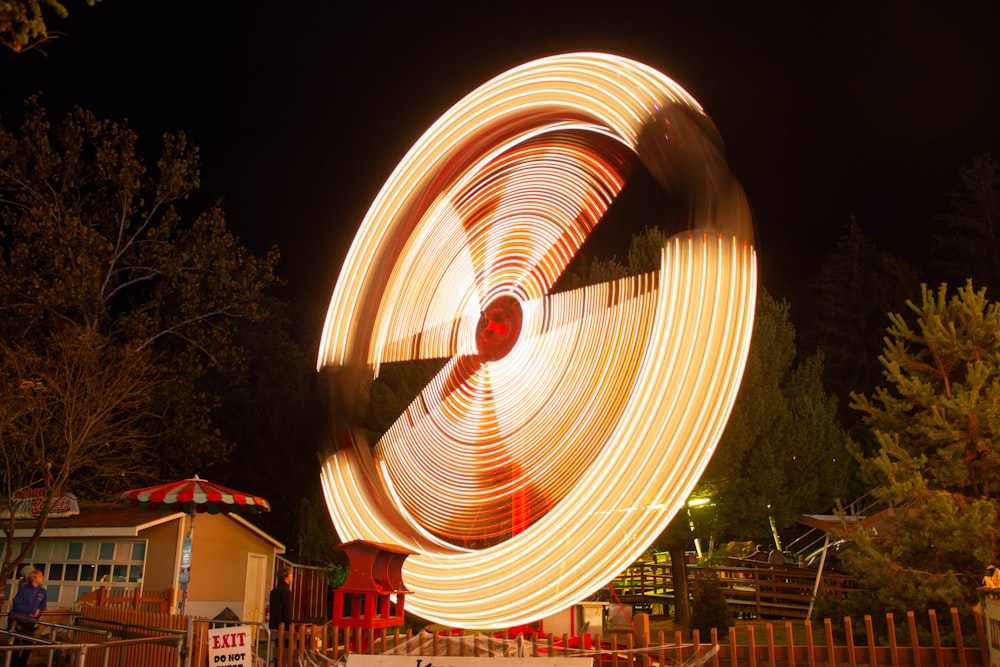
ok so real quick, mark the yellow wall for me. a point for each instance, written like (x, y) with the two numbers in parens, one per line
(160, 572)
(219, 557)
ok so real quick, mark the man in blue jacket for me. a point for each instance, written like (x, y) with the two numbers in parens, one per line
(26, 609)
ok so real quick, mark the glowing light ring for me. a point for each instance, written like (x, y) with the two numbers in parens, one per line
(566, 429)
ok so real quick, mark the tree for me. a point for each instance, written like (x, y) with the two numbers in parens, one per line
(710, 609)
(968, 243)
(857, 285)
(101, 252)
(23, 23)
(275, 413)
(782, 452)
(71, 414)
(936, 418)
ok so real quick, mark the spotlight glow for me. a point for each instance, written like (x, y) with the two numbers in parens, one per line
(565, 429)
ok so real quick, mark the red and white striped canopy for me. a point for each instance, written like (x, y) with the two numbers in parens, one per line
(195, 495)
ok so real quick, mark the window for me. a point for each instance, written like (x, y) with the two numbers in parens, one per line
(72, 569)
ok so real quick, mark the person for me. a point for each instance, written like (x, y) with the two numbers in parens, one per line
(26, 609)
(775, 557)
(759, 554)
(991, 577)
(281, 600)
(280, 607)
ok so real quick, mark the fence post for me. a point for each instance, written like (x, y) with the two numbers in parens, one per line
(771, 659)
(870, 633)
(890, 623)
(936, 637)
(914, 639)
(984, 649)
(790, 642)
(957, 623)
(852, 659)
(831, 657)
(810, 646)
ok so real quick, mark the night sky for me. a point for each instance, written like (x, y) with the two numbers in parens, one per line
(302, 109)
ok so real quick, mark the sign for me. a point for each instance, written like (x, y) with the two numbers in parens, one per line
(231, 646)
(359, 660)
(29, 503)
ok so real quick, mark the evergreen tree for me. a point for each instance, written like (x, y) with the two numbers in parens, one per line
(967, 245)
(936, 419)
(857, 285)
(710, 609)
(782, 452)
(24, 24)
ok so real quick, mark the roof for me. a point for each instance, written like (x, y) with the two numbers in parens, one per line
(101, 519)
(114, 520)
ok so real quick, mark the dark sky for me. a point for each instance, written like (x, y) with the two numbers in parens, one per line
(303, 108)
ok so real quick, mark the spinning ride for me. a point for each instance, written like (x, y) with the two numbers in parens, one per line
(565, 428)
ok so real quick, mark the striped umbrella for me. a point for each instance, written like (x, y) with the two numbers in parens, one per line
(192, 496)
(195, 495)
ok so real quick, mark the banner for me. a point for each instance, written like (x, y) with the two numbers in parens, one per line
(230, 646)
(360, 660)
(29, 503)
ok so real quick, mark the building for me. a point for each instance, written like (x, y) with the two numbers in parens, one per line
(124, 549)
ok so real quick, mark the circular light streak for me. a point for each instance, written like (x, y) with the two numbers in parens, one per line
(565, 429)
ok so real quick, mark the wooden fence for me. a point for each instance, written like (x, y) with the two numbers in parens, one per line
(98, 624)
(820, 645)
(790, 643)
(157, 602)
(752, 591)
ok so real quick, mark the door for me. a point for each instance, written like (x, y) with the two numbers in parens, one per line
(255, 594)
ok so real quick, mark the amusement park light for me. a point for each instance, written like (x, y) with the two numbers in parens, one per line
(565, 429)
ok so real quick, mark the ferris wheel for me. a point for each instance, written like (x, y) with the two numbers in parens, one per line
(561, 429)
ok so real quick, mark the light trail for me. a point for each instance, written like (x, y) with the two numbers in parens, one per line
(565, 429)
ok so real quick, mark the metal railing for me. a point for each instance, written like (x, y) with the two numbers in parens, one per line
(112, 651)
(77, 653)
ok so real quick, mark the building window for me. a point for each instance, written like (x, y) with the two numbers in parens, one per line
(74, 568)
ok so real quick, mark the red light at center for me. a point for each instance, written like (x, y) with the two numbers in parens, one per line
(499, 328)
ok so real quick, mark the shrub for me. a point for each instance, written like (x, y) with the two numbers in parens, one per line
(710, 610)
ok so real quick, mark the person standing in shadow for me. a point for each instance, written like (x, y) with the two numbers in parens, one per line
(280, 607)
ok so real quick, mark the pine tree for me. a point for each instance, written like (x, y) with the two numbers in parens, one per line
(858, 284)
(936, 419)
(710, 610)
(967, 244)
